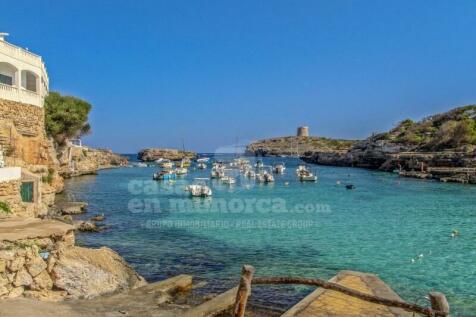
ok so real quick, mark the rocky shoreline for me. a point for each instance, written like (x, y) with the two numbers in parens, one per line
(440, 147)
(295, 145)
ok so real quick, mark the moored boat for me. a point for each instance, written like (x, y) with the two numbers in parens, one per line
(199, 188)
(166, 164)
(164, 175)
(279, 168)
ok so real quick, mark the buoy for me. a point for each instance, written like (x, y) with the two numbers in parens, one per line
(286, 183)
(338, 183)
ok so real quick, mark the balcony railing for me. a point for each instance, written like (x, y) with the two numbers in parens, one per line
(20, 95)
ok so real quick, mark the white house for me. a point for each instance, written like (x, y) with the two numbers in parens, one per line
(23, 76)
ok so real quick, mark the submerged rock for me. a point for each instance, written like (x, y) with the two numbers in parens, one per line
(87, 226)
(87, 273)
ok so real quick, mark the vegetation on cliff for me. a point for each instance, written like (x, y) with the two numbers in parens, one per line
(454, 129)
(66, 117)
(293, 145)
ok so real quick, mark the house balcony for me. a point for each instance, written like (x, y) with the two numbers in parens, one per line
(22, 95)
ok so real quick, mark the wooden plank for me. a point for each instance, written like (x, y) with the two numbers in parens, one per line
(214, 306)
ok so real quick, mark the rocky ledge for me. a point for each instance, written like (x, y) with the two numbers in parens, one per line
(293, 145)
(152, 154)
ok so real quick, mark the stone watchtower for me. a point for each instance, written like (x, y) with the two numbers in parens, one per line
(303, 131)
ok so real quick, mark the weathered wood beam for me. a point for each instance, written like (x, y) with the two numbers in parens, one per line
(244, 290)
(215, 306)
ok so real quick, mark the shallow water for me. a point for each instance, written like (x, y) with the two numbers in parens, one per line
(379, 227)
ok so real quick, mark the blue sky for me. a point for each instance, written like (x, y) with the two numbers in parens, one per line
(211, 72)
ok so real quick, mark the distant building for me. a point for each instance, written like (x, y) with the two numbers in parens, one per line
(23, 76)
(303, 131)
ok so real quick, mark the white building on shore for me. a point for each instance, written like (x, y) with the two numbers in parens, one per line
(23, 76)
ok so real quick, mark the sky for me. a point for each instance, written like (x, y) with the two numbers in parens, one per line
(213, 72)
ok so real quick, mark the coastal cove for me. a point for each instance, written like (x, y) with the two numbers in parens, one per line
(398, 228)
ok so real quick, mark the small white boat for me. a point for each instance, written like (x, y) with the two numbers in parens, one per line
(199, 188)
(279, 168)
(181, 171)
(202, 165)
(159, 160)
(166, 164)
(250, 173)
(300, 169)
(217, 172)
(307, 176)
(229, 180)
(203, 160)
(264, 177)
(141, 164)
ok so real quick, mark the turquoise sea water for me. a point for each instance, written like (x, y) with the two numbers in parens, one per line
(379, 227)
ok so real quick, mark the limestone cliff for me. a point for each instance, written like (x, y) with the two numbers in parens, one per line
(295, 145)
(152, 154)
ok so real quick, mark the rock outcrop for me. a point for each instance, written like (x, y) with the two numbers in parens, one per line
(295, 145)
(82, 160)
(108, 272)
(152, 154)
(38, 259)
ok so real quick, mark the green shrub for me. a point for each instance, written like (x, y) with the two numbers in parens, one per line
(5, 207)
(66, 116)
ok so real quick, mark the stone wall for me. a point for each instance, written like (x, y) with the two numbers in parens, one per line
(29, 120)
(10, 193)
(26, 267)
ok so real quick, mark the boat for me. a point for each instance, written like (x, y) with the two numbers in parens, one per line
(250, 173)
(259, 164)
(166, 164)
(218, 170)
(265, 174)
(264, 177)
(307, 176)
(164, 175)
(141, 164)
(159, 160)
(279, 168)
(181, 171)
(229, 180)
(185, 162)
(350, 186)
(202, 165)
(199, 188)
(203, 160)
(301, 168)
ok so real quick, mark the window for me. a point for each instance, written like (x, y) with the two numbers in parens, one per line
(30, 82)
(26, 192)
(7, 80)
